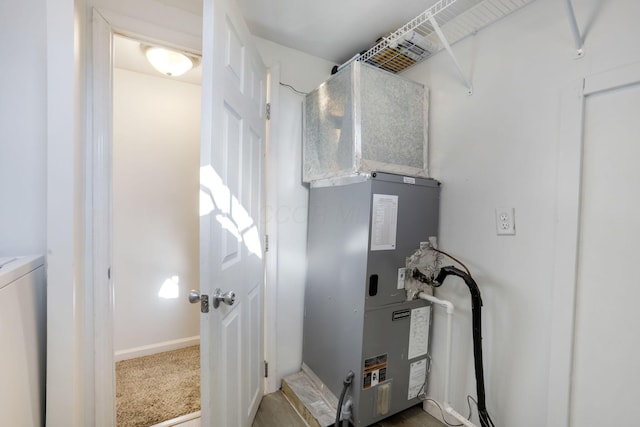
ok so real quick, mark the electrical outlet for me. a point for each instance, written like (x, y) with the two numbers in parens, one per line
(505, 221)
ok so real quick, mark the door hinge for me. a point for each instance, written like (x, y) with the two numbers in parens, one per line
(266, 243)
(109, 273)
(268, 111)
(266, 369)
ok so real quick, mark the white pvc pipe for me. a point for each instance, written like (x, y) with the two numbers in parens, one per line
(447, 373)
(449, 307)
(458, 416)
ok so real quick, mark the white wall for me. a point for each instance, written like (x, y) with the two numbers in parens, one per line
(499, 147)
(23, 126)
(298, 69)
(155, 208)
(287, 203)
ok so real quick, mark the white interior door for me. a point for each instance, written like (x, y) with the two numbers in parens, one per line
(232, 210)
(606, 347)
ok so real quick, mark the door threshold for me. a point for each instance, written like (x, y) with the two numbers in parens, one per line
(178, 420)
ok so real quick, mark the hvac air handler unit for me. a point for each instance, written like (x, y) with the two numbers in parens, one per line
(371, 207)
(357, 316)
(371, 253)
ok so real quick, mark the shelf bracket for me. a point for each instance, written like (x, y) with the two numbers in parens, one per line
(446, 45)
(575, 31)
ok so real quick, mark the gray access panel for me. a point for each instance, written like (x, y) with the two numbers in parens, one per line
(387, 338)
(346, 321)
(337, 242)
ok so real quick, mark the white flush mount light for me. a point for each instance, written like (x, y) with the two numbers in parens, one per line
(168, 62)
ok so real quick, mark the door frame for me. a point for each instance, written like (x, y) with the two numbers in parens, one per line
(567, 233)
(271, 230)
(105, 25)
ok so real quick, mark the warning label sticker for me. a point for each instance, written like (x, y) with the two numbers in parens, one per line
(419, 332)
(384, 222)
(417, 378)
(374, 372)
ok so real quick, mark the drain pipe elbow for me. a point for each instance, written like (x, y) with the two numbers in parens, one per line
(444, 303)
(449, 410)
(346, 413)
(345, 385)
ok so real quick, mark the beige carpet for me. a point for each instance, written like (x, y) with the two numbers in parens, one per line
(157, 388)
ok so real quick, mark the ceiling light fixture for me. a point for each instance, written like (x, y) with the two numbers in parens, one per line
(168, 62)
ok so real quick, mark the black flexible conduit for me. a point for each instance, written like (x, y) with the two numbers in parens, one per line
(476, 309)
(345, 385)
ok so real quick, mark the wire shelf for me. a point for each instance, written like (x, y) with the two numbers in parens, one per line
(418, 39)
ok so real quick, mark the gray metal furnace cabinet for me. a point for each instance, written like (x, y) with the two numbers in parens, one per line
(356, 318)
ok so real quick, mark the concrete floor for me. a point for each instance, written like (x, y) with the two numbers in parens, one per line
(276, 411)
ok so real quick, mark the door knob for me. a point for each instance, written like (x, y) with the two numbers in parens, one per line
(228, 298)
(194, 296)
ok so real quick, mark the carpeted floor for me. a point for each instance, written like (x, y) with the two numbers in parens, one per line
(157, 388)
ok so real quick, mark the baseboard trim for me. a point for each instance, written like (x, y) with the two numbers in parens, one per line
(146, 350)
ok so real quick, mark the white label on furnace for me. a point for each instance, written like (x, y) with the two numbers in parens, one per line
(384, 222)
(419, 332)
(375, 377)
(417, 378)
(401, 277)
(408, 180)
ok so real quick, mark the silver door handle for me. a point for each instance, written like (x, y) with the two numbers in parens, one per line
(228, 298)
(194, 296)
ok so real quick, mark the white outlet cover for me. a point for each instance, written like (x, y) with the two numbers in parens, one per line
(505, 221)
